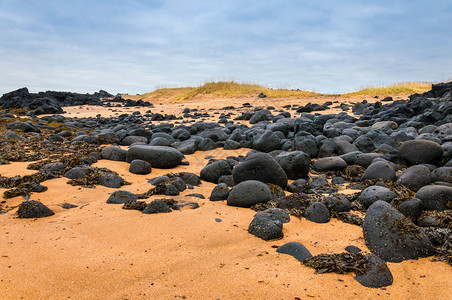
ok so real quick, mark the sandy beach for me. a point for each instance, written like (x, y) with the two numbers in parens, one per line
(100, 251)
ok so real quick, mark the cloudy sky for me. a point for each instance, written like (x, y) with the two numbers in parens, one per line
(136, 46)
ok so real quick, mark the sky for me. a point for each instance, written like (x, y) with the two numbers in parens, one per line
(136, 46)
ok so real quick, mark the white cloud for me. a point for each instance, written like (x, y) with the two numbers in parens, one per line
(130, 46)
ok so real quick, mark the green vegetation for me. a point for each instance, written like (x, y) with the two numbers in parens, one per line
(232, 89)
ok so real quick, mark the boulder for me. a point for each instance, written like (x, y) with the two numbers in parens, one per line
(338, 203)
(220, 192)
(248, 193)
(75, 173)
(121, 197)
(435, 197)
(160, 157)
(138, 166)
(111, 180)
(261, 167)
(443, 174)
(296, 164)
(415, 177)
(113, 153)
(376, 193)
(392, 236)
(131, 139)
(33, 209)
(421, 152)
(267, 142)
(214, 170)
(156, 206)
(266, 228)
(52, 167)
(379, 170)
(317, 212)
(377, 274)
(411, 208)
(334, 163)
(275, 214)
(298, 186)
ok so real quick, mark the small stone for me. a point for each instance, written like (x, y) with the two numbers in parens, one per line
(296, 250)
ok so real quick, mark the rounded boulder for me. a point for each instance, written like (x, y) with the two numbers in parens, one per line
(376, 193)
(392, 236)
(415, 177)
(296, 164)
(421, 152)
(435, 197)
(248, 193)
(261, 167)
(333, 163)
(160, 157)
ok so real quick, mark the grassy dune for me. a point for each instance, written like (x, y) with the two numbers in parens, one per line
(232, 89)
(405, 88)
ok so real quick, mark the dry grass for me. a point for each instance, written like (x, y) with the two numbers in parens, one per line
(404, 88)
(232, 89)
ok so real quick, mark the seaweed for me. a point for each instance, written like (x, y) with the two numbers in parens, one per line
(93, 174)
(441, 239)
(443, 218)
(339, 263)
(348, 217)
(135, 205)
(36, 147)
(352, 173)
(161, 188)
(294, 204)
(355, 204)
(24, 185)
(403, 192)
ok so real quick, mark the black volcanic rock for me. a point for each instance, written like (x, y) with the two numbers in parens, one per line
(266, 228)
(377, 274)
(49, 102)
(160, 157)
(297, 250)
(421, 152)
(296, 164)
(261, 167)
(248, 193)
(392, 236)
(33, 209)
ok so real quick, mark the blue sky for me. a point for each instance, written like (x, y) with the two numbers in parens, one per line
(136, 46)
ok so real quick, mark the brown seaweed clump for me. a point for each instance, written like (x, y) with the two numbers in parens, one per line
(71, 160)
(403, 192)
(294, 204)
(339, 263)
(159, 189)
(352, 173)
(442, 219)
(348, 217)
(35, 147)
(135, 205)
(93, 177)
(441, 239)
(24, 185)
